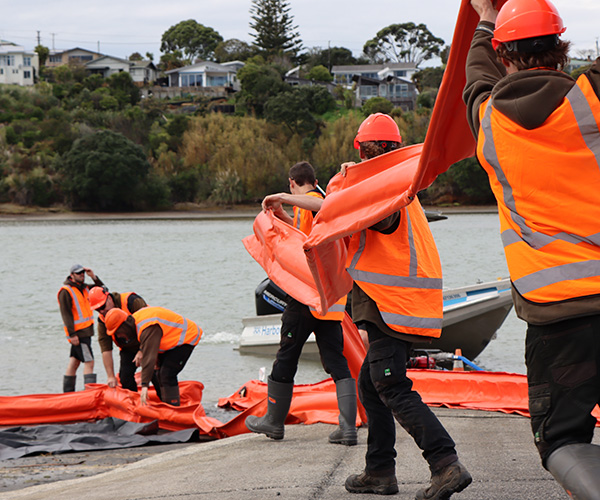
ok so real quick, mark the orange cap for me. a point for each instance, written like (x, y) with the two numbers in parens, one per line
(377, 127)
(114, 319)
(98, 296)
(520, 19)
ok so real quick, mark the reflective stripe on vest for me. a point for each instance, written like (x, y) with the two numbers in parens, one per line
(556, 257)
(303, 219)
(410, 301)
(177, 330)
(335, 312)
(81, 309)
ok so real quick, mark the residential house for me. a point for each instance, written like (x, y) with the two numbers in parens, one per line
(143, 72)
(17, 65)
(390, 80)
(70, 56)
(206, 74)
(108, 65)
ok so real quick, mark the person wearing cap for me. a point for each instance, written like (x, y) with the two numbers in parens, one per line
(78, 320)
(538, 139)
(298, 321)
(102, 301)
(166, 341)
(397, 300)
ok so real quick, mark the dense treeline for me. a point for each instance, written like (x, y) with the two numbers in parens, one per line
(68, 144)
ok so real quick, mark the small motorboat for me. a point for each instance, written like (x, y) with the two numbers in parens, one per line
(472, 315)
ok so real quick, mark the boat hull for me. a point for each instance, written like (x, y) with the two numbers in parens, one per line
(472, 315)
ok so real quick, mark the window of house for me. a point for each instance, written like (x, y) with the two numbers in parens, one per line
(401, 72)
(216, 81)
(27, 74)
(7, 60)
(191, 80)
(55, 59)
(26, 61)
(1, 71)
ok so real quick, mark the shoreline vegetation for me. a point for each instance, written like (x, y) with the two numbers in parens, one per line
(184, 211)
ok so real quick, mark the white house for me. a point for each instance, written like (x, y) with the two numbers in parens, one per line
(17, 65)
(343, 75)
(108, 65)
(206, 74)
(143, 72)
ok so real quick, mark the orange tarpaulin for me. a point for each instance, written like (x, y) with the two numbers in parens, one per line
(312, 403)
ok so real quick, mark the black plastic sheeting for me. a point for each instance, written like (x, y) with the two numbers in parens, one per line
(108, 434)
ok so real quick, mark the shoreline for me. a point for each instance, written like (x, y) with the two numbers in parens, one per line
(16, 213)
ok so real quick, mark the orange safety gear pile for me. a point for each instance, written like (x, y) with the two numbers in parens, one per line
(520, 19)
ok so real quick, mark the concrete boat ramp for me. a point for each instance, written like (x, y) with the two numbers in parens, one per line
(497, 449)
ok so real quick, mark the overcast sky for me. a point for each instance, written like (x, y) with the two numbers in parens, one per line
(121, 27)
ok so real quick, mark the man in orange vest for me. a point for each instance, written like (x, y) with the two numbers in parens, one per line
(78, 323)
(166, 341)
(102, 302)
(299, 321)
(397, 299)
(538, 139)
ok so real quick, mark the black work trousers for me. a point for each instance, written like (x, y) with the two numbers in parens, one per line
(563, 374)
(171, 362)
(127, 369)
(386, 392)
(297, 323)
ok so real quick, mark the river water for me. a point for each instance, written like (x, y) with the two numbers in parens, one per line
(197, 268)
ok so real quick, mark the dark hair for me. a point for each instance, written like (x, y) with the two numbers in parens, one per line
(556, 57)
(371, 149)
(303, 173)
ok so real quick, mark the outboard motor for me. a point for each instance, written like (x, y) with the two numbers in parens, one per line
(269, 298)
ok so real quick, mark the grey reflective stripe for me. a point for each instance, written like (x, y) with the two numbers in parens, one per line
(411, 321)
(398, 281)
(534, 239)
(184, 328)
(585, 119)
(78, 308)
(557, 274)
(414, 262)
(411, 281)
(297, 215)
(333, 308)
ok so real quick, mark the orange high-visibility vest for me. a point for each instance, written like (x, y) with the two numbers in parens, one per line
(402, 273)
(124, 297)
(546, 182)
(303, 220)
(176, 329)
(82, 311)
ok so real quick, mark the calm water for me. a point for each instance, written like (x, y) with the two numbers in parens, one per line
(199, 269)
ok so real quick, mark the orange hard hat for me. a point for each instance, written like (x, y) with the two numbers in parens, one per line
(521, 19)
(377, 127)
(114, 319)
(98, 296)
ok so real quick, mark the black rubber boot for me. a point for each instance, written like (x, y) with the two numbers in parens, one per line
(575, 467)
(451, 479)
(279, 398)
(346, 395)
(69, 383)
(379, 484)
(170, 393)
(89, 378)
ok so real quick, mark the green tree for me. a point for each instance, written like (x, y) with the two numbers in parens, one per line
(259, 83)
(43, 53)
(428, 78)
(407, 42)
(171, 60)
(193, 39)
(102, 171)
(274, 30)
(332, 56)
(320, 73)
(136, 56)
(123, 89)
(233, 50)
(298, 109)
(377, 105)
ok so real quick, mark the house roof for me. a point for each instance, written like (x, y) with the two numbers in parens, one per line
(372, 67)
(105, 59)
(206, 65)
(142, 64)
(7, 47)
(66, 51)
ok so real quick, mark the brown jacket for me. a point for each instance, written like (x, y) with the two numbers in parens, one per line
(134, 303)
(528, 98)
(65, 302)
